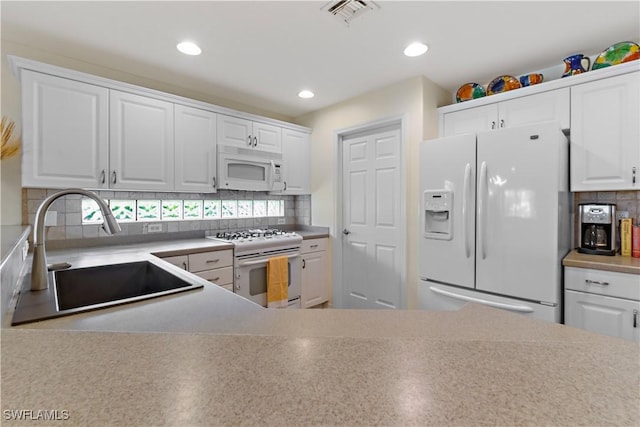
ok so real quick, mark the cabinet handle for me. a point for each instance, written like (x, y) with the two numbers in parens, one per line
(595, 282)
(215, 279)
(304, 264)
(255, 141)
(313, 246)
(214, 182)
(285, 186)
(211, 261)
(633, 175)
(493, 125)
(113, 177)
(635, 318)
(249, 140)
(184, 265)
(103, 176)
(502, 123)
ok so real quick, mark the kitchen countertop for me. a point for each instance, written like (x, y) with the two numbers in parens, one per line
(601, 262)
(209, 357)
(332, 367)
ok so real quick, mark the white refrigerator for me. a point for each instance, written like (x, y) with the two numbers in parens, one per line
(495, 220)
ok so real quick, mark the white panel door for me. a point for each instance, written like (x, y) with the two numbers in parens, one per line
(471, 120)
(372, 261)
(449, 164)
(542, 107)
(605, 152)
(235, 131)
(615, 317)
(195, 150)
(296, 152)
(518, 193)
(141, 142)
(267, 137)
(65, 132)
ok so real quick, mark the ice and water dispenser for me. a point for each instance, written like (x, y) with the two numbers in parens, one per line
(438, 210)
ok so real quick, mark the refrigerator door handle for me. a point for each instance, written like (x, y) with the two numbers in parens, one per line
(465, 210)
(511, 307)
(482, 214)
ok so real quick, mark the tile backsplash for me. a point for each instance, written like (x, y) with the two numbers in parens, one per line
(297, 210)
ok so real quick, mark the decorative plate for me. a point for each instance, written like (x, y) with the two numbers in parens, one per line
(617, 54)
(503, 84)
(531, 79)
(470, 91)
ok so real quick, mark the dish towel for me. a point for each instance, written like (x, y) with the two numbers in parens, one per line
(277, 282)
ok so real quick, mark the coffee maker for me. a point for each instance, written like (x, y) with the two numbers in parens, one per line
(597, 230)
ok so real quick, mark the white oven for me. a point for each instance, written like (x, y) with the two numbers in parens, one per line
(251, 275)
(249, 169)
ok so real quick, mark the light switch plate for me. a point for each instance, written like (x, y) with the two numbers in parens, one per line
(154, 228)
(622, 214)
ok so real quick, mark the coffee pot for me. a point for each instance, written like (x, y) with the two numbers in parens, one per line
(597, 228)
(576, 64)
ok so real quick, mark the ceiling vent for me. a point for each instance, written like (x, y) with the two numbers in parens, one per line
(347, 10)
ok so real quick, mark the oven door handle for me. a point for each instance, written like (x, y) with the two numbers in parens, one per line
(262, 261)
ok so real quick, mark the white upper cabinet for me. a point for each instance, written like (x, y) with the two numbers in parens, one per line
(605, 136)
(296, 152)
(245, 133)
(141, 142)
(195, 149)
(541, 107)
(65, 132)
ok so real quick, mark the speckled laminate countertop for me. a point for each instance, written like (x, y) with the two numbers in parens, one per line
(477, 366)
(600, 262)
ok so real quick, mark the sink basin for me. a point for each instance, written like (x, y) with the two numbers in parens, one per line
(92, 288)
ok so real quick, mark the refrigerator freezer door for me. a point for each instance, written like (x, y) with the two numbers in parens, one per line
(448, 164)
(522, 180)
(437, 297)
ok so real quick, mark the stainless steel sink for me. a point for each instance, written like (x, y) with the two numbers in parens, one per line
(83, 289)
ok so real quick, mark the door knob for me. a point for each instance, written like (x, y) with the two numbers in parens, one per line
(346, 232)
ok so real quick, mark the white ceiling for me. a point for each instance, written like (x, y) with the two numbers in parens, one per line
(261, 53)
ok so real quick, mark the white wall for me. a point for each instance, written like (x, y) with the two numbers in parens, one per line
(416, 99)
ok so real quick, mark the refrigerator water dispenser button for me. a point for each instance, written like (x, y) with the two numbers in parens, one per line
(437, 214)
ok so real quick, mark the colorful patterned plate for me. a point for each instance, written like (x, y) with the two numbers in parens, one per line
(470, 91)
(617, 54)
(503, 84)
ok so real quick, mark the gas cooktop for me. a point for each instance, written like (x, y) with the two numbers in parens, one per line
(259, 240)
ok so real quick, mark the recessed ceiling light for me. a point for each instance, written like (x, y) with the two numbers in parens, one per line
(416, 49)
(306, 94)
(189, 48)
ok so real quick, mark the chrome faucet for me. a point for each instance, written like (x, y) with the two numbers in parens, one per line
(39, 269)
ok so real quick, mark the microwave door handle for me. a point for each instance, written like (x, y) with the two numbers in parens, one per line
(261, 261)
(272, 178)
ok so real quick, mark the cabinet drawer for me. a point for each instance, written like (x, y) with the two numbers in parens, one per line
(210, 260)
(314, 245)
(609, 283)
(219, 276)
(181, 261)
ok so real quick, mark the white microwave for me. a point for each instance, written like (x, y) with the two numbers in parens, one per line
(249, 169)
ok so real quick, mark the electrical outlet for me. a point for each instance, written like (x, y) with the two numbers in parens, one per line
(280, 221)
(51, 219)
(622, 214)
(154, 228)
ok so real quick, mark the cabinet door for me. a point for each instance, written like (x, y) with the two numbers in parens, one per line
(181, 261)
(235, 131)
(141, 143)
(314, 279)
(605, 153)
(195, 150)
(267, 137)
(65, 141)
(542, 107)
(615, 317)
(472, 120)
(296, 152)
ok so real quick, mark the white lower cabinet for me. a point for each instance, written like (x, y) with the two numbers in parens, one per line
(315, 286)
(214, 266)
(604, 302)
